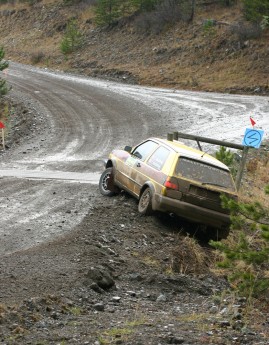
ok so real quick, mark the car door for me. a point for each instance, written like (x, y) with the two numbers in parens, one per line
(150, 169)
(138, 167)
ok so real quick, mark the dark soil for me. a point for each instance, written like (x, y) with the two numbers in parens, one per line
(120, 278)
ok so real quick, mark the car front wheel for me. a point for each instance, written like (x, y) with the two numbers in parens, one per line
(105, 181)
(145, 202)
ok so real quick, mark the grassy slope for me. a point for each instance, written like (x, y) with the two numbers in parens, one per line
(184, 56)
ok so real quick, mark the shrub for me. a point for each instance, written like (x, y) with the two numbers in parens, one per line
(144, 5)
(37, 57)
(166, 13)
(246, 259)
(228, 158)
(245, 31)
(73, 38)
(3, 65)
(107, 12)
(265, 22)
(74, 2)
(254, 10)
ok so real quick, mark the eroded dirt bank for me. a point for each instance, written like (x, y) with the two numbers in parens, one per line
(110, 281)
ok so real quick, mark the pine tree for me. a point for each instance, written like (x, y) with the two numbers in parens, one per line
(3, 65)
(144, 5)
(247, 258)
(73, 38)
(107, 12)
(255, 10)
(227, 157)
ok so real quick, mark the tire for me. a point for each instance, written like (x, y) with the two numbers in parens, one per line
(103, 183)
(145, 202)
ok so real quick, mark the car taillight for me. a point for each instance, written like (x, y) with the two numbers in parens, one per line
(171, 183)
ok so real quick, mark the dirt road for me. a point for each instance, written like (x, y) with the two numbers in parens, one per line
(78, 268)
(76, 121)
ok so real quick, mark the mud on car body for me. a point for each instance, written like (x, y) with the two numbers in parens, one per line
(169, 176)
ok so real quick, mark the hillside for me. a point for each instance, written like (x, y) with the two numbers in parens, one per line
(189, 56)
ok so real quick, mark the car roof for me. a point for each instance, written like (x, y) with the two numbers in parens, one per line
(189, 152)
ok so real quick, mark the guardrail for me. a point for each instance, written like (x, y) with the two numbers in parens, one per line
(198, 139)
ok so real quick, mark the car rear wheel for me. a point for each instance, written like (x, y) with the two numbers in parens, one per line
(105, 181)
(145, 202)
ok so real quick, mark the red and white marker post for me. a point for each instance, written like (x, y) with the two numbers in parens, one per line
(2, 127)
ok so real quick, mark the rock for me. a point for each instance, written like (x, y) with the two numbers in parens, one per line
(136, 277)
(96, 288)
(99, 307)
(131, 293)
(213, 309)
(161, 298)
(225, 323)
(239, 324)
(101, 277)
(175, 340)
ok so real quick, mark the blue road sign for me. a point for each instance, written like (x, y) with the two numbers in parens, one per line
(253, 137)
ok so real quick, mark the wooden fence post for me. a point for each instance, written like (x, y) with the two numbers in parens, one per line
(241, 167)
(170, 136)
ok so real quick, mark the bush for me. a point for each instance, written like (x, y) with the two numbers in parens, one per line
(37, 57)
(245, 31)
(166, 13)
(228, 158)
(209, 26)
(73, 38)
(246, 259)
(107, 12)
(254, 10)
(3, 65)
(265, 22)
(144, 5)
(75, 2)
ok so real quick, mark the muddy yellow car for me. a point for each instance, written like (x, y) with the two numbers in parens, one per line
(171, 177)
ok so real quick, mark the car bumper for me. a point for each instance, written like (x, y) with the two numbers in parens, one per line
(191, 212)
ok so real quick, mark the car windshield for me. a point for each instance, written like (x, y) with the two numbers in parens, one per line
(204, 173)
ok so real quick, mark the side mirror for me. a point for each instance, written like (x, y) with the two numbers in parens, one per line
(128, 148)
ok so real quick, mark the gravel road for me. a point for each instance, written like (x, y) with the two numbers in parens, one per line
(78, 268)
(76, 122)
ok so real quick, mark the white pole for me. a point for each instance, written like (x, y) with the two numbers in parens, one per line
(3, 138)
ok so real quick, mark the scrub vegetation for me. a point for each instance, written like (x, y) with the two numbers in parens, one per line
(213, 45)
(245, 254)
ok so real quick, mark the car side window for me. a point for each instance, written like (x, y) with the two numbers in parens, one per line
(144, 150)
(159, 157)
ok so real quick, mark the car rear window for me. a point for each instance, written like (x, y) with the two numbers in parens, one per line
(204, 173)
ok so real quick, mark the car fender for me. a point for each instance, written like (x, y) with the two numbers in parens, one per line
(153, 191)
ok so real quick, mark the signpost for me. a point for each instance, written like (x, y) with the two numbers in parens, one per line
(2, 127)
(253, 137)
